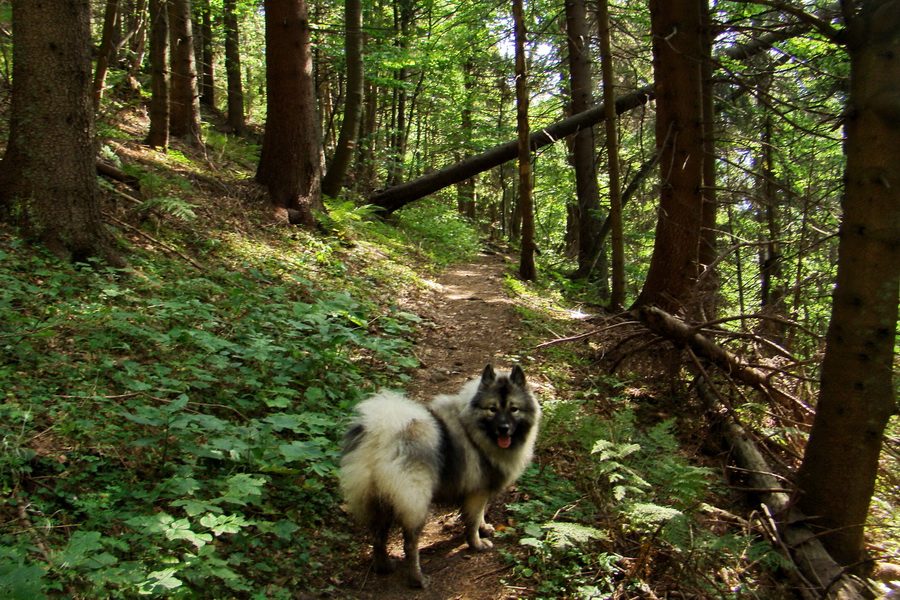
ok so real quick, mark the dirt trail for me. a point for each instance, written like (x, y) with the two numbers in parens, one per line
(470, 323)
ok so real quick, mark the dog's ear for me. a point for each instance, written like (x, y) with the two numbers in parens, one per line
(517, 376)
(488, 376)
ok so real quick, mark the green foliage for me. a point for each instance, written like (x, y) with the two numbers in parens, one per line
(185, 424)
(438, 232)
(636, 490)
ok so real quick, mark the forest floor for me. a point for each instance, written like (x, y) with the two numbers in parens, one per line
(469, 322)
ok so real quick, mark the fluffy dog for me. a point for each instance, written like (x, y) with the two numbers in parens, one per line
(400, 456)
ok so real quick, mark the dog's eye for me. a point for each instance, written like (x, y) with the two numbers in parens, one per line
(492, 410)
(514, 409)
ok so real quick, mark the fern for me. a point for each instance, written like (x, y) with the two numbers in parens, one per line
(565, 535)
(167, 205)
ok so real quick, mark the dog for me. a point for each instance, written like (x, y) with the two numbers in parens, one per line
(401, 456)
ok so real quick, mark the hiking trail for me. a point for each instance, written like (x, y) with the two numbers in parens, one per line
(469, 322)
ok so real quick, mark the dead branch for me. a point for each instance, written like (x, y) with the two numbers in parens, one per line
(676, 330)
(810, 557)
(152, 239)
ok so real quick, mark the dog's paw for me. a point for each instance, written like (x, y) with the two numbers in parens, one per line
(481, 545)
(418, 580)
(385, 565)
(486, 530)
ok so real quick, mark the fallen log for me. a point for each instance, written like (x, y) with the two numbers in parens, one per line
(672, 328)
(819, 571)
(398, 196)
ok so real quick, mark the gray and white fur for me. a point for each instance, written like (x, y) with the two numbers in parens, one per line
(400, 456)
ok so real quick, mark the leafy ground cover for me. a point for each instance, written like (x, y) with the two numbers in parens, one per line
(171, 429)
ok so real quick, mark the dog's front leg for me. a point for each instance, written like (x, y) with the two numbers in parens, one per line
(473, 516)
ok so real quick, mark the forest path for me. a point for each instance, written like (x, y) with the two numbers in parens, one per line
(469, 322)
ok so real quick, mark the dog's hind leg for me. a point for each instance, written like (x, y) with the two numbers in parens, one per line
(473, 516)
(382, 521)
(414, 574)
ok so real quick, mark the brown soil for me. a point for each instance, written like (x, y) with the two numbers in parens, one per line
(469, 323)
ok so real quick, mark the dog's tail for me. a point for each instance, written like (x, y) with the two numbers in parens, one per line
(391, 460)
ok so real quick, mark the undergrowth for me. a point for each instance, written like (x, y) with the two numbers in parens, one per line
(172, 429)
(619, 511)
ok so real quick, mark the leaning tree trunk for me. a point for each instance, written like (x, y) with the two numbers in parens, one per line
(290, 163)
(398, 196)
(48, 179)
(856, 400)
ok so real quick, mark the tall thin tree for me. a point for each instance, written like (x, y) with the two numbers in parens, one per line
(617, 295)
(235, 96)
(158, 136)
(840, 466)
(346, 144)
(527, 268)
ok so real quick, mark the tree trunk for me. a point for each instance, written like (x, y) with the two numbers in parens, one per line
(290, 163)
(48, 179)
(708, 251)
(184, 101)
(207, 58)
(837, 477)
(677, 55)
(346, 144)
(403, 17)
(527, 269)
(158, 136)
(104, 54)
(465, 190)
(235, 111)
(617, 296)
(587, 193)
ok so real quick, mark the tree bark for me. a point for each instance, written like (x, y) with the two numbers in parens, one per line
(48, 179)
(290, 163)
(235, 101)
(184, 100)
(676, 27)
(856, 400)
(104, 53)
(587, 192)
(527, 270)
(207, 58)
(347, 138)
(158, 136)
(617, 295)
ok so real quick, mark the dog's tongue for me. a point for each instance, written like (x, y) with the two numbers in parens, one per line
(504, 441)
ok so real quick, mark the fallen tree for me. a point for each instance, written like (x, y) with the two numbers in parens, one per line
(398, 196)
(820, 574)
